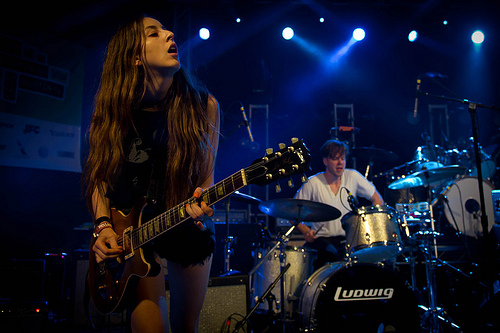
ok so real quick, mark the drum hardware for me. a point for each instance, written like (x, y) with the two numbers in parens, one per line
(433, 313)
(296, 211)
(229, 240)
(284, 266)
(266, 296)
(472, 108)
(427, 177)
(424, 240)
(371, 155)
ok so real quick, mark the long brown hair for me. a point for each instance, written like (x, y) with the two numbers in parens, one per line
(122, 87)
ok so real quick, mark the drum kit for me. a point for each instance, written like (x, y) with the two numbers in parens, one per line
(364, 292)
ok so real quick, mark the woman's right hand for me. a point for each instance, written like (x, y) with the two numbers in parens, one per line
(106, 246)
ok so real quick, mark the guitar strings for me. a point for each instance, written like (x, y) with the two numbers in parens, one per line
(163, 221)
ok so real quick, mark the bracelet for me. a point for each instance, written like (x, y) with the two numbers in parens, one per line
(101, 227)
(101, 219)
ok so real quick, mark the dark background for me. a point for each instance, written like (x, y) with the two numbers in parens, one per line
(41, 211)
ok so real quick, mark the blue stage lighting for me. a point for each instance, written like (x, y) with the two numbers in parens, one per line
(322, 19)
(358, 34)
(238, 20)
(412, 36)
(204, 33)
(477, 37)
(287, 33)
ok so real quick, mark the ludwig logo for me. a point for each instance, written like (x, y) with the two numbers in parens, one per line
(363, 294)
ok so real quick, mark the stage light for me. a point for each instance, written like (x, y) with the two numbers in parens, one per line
(238, 20)
(477, 37)
(287, 33)
(445, 22)
(322, 19)
(412, 36)
(204, 33)
(358, 34)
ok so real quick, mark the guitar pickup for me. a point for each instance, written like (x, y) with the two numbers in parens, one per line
(128, 246)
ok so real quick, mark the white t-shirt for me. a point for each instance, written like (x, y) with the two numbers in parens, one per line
(317, 189)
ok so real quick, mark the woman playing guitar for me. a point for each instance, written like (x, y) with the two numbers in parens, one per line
(153, 143)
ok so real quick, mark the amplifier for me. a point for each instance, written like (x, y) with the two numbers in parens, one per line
(226, 296)
(233, 216)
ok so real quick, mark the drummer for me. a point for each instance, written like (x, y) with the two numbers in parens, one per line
(332, 187)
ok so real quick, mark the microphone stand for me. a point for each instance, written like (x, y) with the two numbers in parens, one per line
(262, 298)
(472, 106)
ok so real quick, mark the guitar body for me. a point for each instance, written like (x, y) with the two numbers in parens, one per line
(110, 281)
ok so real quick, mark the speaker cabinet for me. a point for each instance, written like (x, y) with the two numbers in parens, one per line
(225, 296)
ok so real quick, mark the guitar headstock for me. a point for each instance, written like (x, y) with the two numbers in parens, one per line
(286, 162)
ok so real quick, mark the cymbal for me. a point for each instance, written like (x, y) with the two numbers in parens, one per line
(374, 154)
(299, 210)
(426, 177)
(245, 198)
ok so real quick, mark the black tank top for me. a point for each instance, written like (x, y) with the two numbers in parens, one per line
(141, 149)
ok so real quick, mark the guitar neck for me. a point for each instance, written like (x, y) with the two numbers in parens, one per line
(155, 227)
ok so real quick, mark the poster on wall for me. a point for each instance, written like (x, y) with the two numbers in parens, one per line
(41, 81)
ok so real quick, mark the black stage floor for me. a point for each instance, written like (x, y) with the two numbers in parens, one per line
(395, 295)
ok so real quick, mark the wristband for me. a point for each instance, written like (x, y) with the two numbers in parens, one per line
(101, 219)
(101, 227)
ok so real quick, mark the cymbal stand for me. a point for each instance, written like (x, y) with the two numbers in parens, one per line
(262, 298)
(281, 243)
(433, 313)
(228, 241)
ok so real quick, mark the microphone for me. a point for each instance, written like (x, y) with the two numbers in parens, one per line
(245, 120)
(417, 92)
(353, 202)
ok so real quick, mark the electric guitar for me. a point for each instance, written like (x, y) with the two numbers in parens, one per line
(110, 281)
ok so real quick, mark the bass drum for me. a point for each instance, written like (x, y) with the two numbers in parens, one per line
(341, 297)
(463, 210)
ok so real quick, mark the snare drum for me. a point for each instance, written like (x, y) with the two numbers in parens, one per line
(372, 234)
(301, 267)
(342, 297)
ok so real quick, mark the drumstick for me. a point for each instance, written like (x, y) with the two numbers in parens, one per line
(320, 227)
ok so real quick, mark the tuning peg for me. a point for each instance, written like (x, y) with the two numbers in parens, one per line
(290, 183)
(281, 145)
(269, 151)
(304, 178)
(294, 140)
(278, 187)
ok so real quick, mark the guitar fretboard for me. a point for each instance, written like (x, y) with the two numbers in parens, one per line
(163, 222)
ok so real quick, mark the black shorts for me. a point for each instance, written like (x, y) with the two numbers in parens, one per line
(186, 244)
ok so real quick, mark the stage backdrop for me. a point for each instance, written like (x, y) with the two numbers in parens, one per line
(41, 81)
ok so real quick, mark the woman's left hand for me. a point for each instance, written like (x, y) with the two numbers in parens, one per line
(200, 212)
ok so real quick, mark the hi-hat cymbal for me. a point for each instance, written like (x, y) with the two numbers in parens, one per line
(245, 198)
(426, 177)
(374, 154)
(299, 210)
